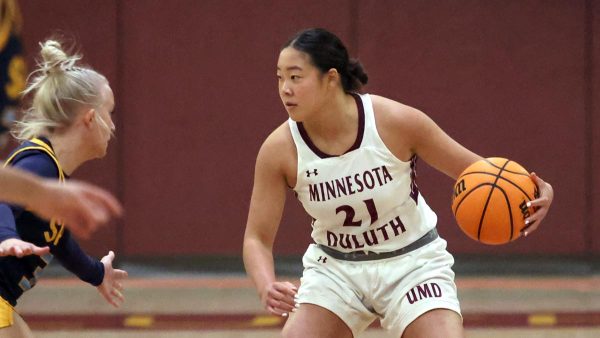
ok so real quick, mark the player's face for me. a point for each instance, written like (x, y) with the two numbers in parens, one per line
(300, 84)
(104, 123)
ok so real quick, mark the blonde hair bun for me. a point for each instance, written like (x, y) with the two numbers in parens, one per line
(60, 87)
(54, 58)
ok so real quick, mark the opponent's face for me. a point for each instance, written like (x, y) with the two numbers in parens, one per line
(301, 84)
(104, 126)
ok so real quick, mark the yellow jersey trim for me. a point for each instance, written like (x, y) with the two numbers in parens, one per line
(46, 149)
(56, 228)
(6, 314)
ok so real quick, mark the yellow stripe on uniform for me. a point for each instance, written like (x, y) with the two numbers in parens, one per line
(56, 227)
(6, 314)
(43, 147)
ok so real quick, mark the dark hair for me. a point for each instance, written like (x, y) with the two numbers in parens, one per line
(327, 51)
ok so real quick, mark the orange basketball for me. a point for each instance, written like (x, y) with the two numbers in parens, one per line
(490, 200)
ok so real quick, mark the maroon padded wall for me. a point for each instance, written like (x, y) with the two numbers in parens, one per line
(593, 75)
(196, 96)
(200, 96)
(504, 78)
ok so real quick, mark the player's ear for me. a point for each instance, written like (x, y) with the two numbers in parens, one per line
(88, 117)
(333, 77)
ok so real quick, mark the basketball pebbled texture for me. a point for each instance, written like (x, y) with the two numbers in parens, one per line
(489, 200)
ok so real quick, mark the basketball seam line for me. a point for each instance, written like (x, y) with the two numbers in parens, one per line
(485, 172)
(498, 175)
(503, 178)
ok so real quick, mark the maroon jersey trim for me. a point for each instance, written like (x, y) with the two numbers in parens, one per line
(359, 135)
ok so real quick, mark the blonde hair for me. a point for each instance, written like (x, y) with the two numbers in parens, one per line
(60, 88)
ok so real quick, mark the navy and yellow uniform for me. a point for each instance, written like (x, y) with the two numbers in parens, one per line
(17, 275)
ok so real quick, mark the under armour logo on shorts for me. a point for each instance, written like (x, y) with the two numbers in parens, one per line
(322, 258)
(308, 173)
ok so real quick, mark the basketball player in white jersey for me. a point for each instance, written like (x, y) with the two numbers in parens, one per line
(350, 159)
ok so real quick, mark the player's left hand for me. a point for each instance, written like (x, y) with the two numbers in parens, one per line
(19, 248)
(540, 205)
(111, 286)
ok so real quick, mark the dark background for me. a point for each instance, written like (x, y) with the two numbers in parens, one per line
(196, 95)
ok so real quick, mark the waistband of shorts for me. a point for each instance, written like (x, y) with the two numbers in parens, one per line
(358, 256)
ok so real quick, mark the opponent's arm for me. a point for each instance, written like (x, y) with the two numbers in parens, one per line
(73, 258)
(111, 288)
(22, 182)
(98, 273)
(17, 186)
(81, 206)
(264, 216)
(10, 242)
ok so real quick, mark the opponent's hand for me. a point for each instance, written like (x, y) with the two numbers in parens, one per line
(111, 286)
(80, 206)
(279, 298)
(19, 248)
(540, 205)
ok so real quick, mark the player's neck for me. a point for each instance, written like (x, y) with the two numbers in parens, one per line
(68, 150)
(336, 118)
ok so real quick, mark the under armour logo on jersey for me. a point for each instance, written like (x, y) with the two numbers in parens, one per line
(322, 259)
(314, 172)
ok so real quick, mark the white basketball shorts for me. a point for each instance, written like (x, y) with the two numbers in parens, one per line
(396, 290)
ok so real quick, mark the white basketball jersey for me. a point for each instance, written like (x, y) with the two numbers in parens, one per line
(365, 199)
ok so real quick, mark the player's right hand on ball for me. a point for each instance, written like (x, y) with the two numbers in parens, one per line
(279, 298)
(540, 204)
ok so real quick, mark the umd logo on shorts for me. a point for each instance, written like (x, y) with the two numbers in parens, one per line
(425, 290)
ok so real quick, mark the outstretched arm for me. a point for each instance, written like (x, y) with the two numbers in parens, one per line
(101, 273)
(19, 248)
(73, 258)
(10, 242)
(83, 207)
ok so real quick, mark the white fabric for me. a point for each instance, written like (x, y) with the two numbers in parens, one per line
(396, 290)
(367, 185)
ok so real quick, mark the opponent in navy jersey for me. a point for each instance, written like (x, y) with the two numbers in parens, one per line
(68, 124)
(83, 207)
(19, 274)
(377, 254)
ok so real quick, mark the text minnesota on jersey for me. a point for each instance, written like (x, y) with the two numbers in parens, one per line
(349, 185)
